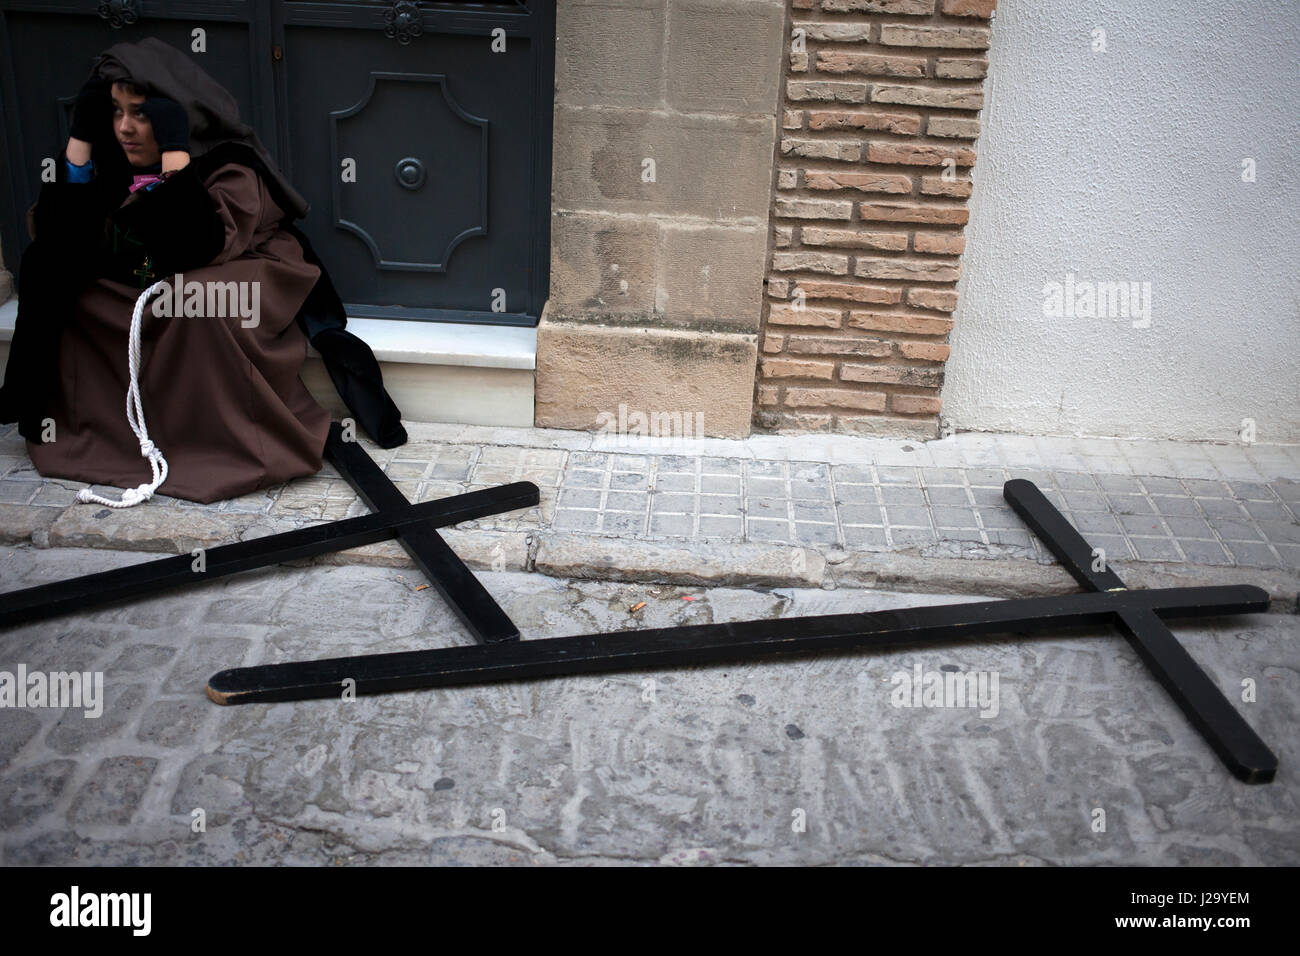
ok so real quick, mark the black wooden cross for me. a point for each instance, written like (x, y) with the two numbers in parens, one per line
(1138, 614)
(393, 517)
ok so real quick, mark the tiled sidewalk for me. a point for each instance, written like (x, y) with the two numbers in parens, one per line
(1215, 505)
(949, 511)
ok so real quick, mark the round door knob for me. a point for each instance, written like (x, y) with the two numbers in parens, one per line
(410, 172)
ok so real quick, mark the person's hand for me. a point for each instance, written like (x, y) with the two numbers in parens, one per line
(92, 114)
(174, 161)
(171, 128)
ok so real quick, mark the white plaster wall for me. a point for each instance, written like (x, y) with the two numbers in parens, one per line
(1126, 165)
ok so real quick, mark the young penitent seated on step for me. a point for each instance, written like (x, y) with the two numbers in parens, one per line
(160, 178)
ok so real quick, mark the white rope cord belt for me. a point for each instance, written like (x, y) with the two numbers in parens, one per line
(135, 418)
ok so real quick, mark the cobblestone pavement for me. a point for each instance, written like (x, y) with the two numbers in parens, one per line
(721, 762)
(808, 761)
(770, 510)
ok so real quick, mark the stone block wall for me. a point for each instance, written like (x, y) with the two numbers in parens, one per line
(665, 132)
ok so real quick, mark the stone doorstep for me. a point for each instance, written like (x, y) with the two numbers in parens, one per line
(457, 373)
(681, 563)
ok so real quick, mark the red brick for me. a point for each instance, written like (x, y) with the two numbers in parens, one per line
(892, 375)
(961, 68)
(916, 404)
(853, 292)
(869, 64)
(919, 270)
(915, 7)
(789, 208)
(838, 345)
(953, 127)
(919, 154)
(825, 91)
(789, 315)
(835, 32)
(810, 262)
(787, 422)
(786, 368)
(925, 351)
(862, 182)
(940, 97)
(900, 322)
(970, 8)
(835, 398)
(853, 239)
(943, 300)
(940, 243)
(914, 212)
(908, 124)
(938, 186)
(960, 38)
(838, 149)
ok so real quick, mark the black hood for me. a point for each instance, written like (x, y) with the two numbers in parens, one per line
(213, 114)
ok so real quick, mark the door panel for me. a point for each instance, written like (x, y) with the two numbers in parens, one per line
(445, 217)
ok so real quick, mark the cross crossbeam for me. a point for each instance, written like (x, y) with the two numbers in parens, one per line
(107, 587)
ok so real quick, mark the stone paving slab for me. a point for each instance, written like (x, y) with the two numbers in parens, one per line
(802, 761)
(755, 511)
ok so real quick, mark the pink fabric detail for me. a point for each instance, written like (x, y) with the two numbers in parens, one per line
(144, 180)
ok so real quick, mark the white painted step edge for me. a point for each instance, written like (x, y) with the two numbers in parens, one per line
(412, 343)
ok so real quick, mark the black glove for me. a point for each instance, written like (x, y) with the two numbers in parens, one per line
(177, 222)
(171, 128)
(92, 114)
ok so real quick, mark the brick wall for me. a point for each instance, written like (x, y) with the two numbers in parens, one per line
(879, 113)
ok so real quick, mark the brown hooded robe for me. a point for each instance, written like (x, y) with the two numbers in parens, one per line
(223, 403)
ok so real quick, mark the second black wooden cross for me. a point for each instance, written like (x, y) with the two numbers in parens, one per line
(1138, 614)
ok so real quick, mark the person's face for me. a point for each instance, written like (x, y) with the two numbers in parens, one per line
(133, 129)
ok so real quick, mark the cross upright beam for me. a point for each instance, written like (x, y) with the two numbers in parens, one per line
(473, 605)
(712, 643)
(1237, 745)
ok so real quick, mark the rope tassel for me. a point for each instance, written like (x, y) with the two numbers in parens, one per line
(135, 418)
